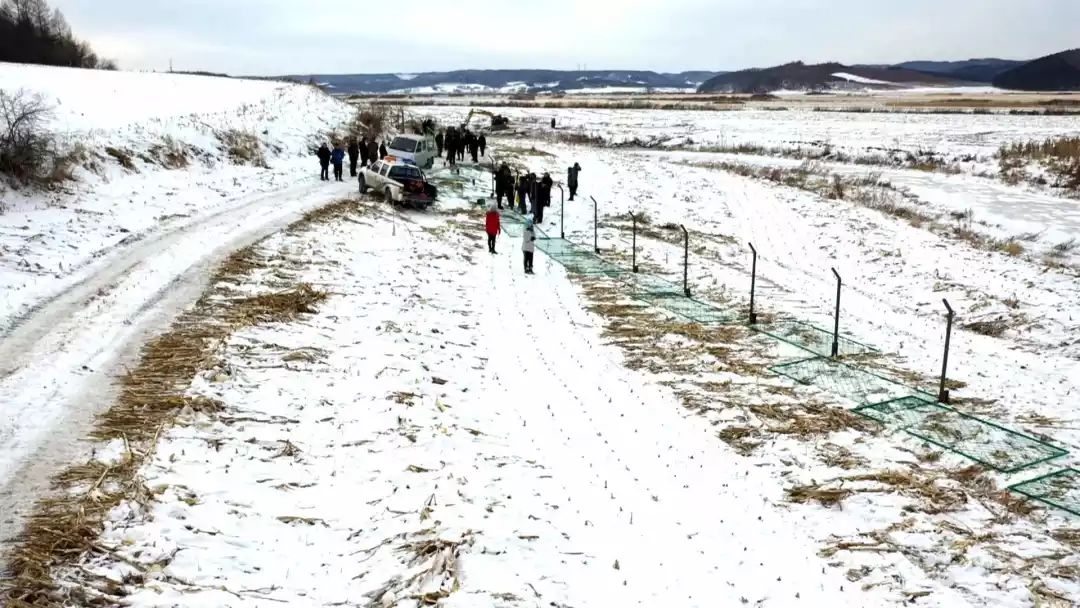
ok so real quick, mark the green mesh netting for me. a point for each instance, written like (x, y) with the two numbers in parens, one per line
(984, 442)
(1060, 489)
(812, 339)
(590, 264)
(644, 284)
(558, 248)
(849, 382)
(688, 308)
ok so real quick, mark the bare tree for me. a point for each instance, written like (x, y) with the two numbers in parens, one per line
(25, 144)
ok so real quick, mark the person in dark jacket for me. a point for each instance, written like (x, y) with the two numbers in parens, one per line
(372, 150)
(474, 148)
(552, 123)
(482, 141)
(439, 142)
(382, 150)
(545, 189)
(354, 156)
(338, 158)
(324, 162)
(363, 151)
(504, 185)
(522, 193)
(572, 179)
(462, 143)
(449, 141)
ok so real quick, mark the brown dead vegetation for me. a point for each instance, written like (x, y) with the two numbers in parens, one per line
(65, 527)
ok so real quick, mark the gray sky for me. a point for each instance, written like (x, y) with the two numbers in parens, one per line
(361, 36)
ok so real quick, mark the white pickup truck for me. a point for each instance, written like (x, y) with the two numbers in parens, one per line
(399, 182)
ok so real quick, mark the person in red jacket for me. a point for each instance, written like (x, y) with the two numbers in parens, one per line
(492, 226)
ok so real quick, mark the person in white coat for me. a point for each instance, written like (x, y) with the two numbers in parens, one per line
(528, 244)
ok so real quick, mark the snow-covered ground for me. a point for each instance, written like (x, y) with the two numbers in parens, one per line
(458, 433)
(93, 264)
(955, 136)
(447, 430)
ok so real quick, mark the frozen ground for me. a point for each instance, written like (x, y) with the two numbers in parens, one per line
(973, 136)
(89, 267)
(447, 430)
(463, 437)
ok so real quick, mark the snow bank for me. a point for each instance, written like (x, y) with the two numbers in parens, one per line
(862, 79)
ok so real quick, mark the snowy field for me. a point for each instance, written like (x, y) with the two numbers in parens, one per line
(444, 430)
(92, 264)
(976, 135)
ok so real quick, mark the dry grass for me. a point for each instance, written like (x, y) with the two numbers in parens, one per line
(65, 527)
(170, 153)
(242, 148)
(123, 157)
(1059, 157)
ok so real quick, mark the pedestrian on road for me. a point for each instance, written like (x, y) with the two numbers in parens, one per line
(363, 151)
(324, 162)
(492, 226)
(522, 193)
(354, 156)
(545, 195)
(483, 144)
(372, 150)
(439, 142)
(504, 185)
(382, 150)
(552, 123)
(528, 244)
(338, 158)
(572, 179)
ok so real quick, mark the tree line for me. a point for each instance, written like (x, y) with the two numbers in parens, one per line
(32, 32)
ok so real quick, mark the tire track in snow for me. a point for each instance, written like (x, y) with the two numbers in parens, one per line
(59, 358)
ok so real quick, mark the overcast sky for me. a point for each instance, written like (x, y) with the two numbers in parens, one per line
(264, 37)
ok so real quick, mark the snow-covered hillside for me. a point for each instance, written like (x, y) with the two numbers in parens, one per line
(170, 172)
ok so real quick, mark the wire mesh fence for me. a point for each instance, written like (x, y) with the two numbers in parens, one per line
(687, 308)
(1060, 489)
(979, 440)
(851, 383)
(812, 339)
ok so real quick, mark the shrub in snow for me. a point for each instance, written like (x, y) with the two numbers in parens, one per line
(25, 145)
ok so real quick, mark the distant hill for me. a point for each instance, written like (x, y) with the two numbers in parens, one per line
(971, 70)
(1057, 72)
(510, 81)
(799, 76)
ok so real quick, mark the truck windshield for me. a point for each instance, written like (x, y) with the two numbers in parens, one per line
(403, 144)
(404, 172)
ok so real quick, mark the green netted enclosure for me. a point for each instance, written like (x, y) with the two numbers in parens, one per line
(852, 383)
(896, 406)
(812, 339)
(589, 264)
(1060, 489)
(687, 308)
(984, 442)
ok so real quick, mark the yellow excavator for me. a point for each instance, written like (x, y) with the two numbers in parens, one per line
(498, 121)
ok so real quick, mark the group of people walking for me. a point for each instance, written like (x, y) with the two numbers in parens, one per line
(457, 142)
(361, 153)
(525, 189)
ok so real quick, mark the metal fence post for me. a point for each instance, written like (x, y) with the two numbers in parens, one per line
(633, 253)
(836, 327)
(595, 227)
(943, 393)
(686, 261)
(753, 285)
(562, 212)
